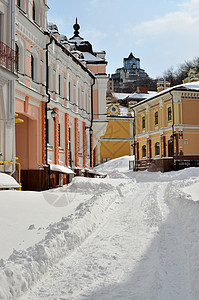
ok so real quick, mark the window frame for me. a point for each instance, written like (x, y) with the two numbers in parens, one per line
(144, 152)
(157, 149)
(143, 123)
(156, 118)
(169, 114)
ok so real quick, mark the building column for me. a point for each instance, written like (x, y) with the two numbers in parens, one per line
(43, 120)
(148, 148)
(56, 137)
(67, 139)
(76, 143)
(84, 144)
(92, 152)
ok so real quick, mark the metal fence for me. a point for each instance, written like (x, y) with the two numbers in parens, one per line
(8, 58)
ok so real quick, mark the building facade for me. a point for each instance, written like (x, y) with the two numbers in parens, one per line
(8, 74)
(60, 93)
(129, 75)
(118, 138)
(167, 129)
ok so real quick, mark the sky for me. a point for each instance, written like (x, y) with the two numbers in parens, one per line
(162, 33)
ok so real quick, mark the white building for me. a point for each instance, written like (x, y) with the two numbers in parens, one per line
(8, 70)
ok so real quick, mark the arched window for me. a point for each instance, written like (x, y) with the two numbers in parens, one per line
(157, 148)
(32, 67)
(144, 151)
(35, 65)
(19, 48)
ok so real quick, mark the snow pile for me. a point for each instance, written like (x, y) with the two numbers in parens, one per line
(131, 237)
(7, 181)
(89, 186)
(24, 267)
(120, 164)
(188, 213)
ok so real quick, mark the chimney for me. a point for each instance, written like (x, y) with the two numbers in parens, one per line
(162, 85)
(56, 35)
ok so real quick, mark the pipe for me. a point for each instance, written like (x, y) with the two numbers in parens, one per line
(46, 104)
(12, 88)
(91, 126)
(173, 120)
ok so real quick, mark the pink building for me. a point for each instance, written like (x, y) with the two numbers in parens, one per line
(60, 96)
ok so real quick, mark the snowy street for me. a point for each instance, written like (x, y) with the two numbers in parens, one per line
(128, 236)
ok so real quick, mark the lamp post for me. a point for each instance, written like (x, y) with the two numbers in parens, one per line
(53, 115)
(90, 133)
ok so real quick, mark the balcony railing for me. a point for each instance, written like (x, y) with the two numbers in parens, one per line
(8, 58)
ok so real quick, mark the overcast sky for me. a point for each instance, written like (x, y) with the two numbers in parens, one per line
(162, 33)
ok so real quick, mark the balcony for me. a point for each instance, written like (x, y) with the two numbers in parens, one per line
(8, 58)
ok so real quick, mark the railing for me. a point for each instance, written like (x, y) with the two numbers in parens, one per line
(8, 58)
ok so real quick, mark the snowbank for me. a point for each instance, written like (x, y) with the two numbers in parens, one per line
(7, 181)
(120, 164)
(24, 267)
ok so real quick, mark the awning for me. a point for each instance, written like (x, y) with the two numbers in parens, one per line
(61, 169)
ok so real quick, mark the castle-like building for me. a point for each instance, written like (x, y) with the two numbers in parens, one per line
(130, 74)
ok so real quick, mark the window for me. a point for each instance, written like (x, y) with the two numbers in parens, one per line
(17, 49)
(59, 130)
(144, 151)
(32, 67)
(143, 122)
(79, 98)
(80, 141)
(157, 148)
(20, 3)
(87, 102)
(33, 11)
(69, 91)
(169, 114)
(59, 84)
(1, 27)
(156, 118)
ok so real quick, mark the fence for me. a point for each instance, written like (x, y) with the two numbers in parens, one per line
(8, 58)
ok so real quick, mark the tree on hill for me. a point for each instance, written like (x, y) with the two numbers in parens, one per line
(177, 76)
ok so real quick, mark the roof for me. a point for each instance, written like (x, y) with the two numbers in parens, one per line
(135, 95)
(190, 86)
(61, 169)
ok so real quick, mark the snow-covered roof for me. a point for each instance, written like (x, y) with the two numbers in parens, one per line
(193, 86)
(61, 169)
(7, 181)
(90, 57)
(135, 95)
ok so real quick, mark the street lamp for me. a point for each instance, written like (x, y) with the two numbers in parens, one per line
(53, 113)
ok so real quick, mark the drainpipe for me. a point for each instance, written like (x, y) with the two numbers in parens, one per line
(46, 105)
(91, 126)
(12, 87)
(134, 137)
(173, 121)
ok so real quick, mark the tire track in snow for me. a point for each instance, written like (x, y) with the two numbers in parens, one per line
(137, 253)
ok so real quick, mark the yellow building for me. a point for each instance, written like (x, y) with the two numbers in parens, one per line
(118, 138)
(167, 129)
